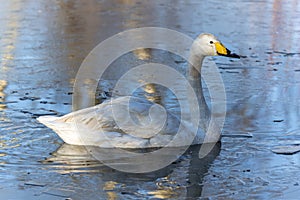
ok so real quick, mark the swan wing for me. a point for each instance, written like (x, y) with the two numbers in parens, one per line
(125, 122)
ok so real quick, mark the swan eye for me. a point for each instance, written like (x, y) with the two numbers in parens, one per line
(211, 42)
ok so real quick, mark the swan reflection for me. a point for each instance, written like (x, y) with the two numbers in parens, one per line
(169, 182)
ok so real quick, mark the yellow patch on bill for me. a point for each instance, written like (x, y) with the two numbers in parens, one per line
(220, 48)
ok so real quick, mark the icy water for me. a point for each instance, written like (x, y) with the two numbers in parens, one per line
(42, 44)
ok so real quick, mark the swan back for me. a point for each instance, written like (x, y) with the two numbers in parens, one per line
(127, 122)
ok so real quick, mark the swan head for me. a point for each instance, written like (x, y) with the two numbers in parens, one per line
(207, 44)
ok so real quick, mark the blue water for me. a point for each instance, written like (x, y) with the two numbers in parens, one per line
(42, 44)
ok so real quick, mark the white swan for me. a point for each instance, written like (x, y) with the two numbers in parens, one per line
(97, 125)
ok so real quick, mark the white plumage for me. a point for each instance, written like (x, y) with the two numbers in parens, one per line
(132, 122)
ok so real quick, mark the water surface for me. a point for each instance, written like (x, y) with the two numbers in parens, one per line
(42, 44)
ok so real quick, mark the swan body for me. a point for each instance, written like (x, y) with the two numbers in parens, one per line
(97, 126)
(132, 122)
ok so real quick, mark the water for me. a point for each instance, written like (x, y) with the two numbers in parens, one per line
(42, 44)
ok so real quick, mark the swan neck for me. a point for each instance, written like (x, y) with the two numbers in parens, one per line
(194, 77)
(195, 66)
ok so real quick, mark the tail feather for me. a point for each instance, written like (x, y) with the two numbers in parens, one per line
(47, 120)
(66, 130)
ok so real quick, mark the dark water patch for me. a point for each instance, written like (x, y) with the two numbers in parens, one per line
(286, 53)
(29, 98)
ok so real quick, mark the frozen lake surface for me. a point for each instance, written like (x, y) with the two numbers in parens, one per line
(42, 44)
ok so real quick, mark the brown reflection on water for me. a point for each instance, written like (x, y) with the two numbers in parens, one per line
(9, 37)
(109, 186)
(285, 91)
(3, 84)
(284, 25)
(143, 53)
(165, 193)
(152, 94)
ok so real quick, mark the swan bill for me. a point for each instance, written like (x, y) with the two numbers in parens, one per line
(223, 51)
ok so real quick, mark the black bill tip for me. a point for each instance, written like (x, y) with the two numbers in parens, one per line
(231, 55)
